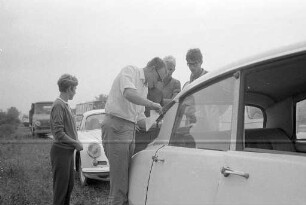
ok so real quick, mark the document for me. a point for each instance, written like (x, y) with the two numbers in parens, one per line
(151, 120)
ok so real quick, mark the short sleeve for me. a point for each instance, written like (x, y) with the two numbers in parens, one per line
(127, 78)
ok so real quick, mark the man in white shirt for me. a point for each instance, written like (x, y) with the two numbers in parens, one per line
(125, 108)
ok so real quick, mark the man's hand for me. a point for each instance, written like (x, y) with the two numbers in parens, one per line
(156, 106)
(78, 145)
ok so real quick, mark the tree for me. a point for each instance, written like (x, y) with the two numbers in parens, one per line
(12, 116)
(102, 97)
(13, 112)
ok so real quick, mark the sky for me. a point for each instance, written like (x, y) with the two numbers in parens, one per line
(94, 39)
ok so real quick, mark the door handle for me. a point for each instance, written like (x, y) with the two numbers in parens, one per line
(226, 171)
(155, 159)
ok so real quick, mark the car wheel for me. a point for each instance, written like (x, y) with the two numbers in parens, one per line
(82, 178)
(33, 131)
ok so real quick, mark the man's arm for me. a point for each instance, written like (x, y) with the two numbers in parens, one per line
(131, 95)
(57, 120)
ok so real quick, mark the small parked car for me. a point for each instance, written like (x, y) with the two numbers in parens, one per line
(233, 136)
(91, 162)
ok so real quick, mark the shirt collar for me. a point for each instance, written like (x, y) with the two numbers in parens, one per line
(62, 100)
(193, 77)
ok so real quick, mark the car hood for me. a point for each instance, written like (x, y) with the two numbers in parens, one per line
(90, 136)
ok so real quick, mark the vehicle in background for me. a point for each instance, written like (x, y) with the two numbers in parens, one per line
(84, 107)
(25, 120)
(39, 118)
(91, 162)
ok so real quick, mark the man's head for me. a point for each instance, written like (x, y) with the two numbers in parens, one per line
(170, 64)
(155, 72)
(67, 84)
(194, 59)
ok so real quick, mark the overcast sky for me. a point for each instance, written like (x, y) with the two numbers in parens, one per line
(93, 39)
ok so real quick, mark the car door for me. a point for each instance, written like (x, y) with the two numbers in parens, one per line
(265, 168)
(187, 169)
(262, 178)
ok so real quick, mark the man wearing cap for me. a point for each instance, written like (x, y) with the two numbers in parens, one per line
(64, 132)
(125, 108)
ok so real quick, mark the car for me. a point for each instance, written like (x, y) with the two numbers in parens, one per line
(233, 136)
(39, 118)
(25, 120)
(91, 162)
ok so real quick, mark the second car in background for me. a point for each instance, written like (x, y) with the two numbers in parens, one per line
(91, 162)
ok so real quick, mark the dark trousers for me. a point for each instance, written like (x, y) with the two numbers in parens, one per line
(63, 174)
(119, 143)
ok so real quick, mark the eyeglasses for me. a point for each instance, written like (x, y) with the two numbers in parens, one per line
(192, 64)
(159, 78)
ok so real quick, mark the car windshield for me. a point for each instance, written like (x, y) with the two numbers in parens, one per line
(94, 121)
(43, 108)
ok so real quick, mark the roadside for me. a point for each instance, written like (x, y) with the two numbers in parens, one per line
(26, 177)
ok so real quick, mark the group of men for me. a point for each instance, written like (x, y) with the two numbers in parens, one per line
(133, 91)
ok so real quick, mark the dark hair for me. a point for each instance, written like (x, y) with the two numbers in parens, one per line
(66, 81)
(157, 63)
(194, 54)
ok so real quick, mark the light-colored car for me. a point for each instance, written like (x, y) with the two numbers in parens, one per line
(230, 137)
(91, 162)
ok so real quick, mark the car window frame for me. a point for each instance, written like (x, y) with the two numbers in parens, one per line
(296, 100)
(264, 114)
(85, 120)
(236, 105)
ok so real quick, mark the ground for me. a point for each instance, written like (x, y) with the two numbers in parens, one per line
(25, 173)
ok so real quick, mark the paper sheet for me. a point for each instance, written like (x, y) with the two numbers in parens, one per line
(151, 120)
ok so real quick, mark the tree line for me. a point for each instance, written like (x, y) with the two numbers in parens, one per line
(9, 121)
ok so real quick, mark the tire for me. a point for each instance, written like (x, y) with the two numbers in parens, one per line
(33, 131)
(82, 178)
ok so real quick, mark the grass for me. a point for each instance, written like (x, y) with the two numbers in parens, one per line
(26, 178)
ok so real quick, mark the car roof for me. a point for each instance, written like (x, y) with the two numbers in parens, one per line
(92, 112)
(245, 63)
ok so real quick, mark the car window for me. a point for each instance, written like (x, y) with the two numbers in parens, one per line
(204, 118)
(253, 117)
(301, 120)
(43, 108)
(94, 121)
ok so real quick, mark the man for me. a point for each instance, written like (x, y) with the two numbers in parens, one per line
(64, 132)
(125, 108)
(171, 86)
(194, 60)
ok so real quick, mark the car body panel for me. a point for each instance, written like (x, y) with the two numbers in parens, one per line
(273, 179)
(140, 174)
(142, 161)
(172, 181)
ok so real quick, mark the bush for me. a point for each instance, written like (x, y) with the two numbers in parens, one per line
(9, 122)
(7, 129)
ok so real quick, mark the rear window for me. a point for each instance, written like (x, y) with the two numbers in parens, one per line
(301, 120)
(253, 117)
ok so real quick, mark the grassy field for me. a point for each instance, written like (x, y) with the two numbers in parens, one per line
(26, 178)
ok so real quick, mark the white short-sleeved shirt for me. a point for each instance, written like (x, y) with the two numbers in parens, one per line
(117, 104)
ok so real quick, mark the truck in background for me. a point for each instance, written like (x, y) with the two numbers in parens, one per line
(39, 118)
